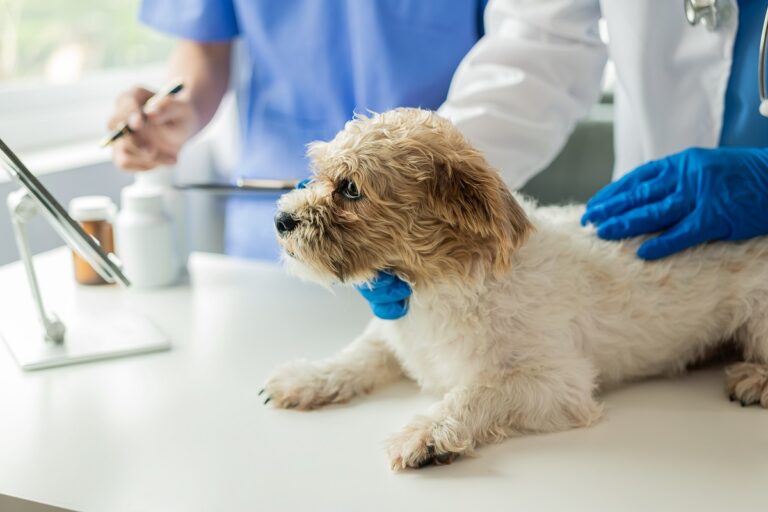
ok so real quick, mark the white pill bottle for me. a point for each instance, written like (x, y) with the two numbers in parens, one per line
(175, 206)
(145, 238)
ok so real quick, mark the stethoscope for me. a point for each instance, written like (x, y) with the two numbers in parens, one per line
(711, 13)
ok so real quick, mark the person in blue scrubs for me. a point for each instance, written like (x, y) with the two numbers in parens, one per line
(311, 66)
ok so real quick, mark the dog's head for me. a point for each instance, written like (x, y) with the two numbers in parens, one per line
(402, 191)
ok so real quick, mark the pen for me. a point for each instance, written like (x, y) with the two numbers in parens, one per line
(170, 90)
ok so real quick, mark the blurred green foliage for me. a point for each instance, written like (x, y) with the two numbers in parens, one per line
(105, 32)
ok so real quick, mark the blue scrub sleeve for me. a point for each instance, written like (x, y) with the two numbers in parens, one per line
(198, 20)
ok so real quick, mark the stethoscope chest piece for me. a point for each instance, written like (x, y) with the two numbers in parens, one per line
(709, 13)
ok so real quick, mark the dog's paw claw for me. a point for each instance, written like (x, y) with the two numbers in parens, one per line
(427, 443)
(269, 399)
(304, 385)
(440, 459)
(424, 463)
(747, 383)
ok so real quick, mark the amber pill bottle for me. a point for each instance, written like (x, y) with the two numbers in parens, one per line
(96, 215)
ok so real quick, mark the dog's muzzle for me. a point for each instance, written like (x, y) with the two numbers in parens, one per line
(285, 222)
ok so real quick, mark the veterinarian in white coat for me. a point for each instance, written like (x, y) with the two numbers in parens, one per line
(521, 90)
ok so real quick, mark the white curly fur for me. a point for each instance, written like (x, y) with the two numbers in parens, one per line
(527, 351)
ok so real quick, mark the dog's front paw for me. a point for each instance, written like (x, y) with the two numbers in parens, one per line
(305, 385)
(747, 383)
(426, 441)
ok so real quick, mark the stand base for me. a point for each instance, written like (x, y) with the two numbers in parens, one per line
(87, 339)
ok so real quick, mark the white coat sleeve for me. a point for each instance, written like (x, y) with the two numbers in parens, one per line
(519, 92)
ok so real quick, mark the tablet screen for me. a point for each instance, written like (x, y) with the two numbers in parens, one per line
(105, 264)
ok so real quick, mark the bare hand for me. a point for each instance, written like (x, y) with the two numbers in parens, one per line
(158, 134)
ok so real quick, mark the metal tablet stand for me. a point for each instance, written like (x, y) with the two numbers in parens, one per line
(23, 208)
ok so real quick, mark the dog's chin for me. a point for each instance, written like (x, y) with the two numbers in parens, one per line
(295, 266)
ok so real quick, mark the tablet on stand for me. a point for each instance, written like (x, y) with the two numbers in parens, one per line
(48, 341)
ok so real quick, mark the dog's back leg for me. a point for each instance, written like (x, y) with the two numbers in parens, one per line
(747, 381)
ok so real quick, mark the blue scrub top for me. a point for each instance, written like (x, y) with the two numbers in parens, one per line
(743, 126)
(312, 65)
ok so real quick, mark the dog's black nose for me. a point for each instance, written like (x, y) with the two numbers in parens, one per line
(284, 222)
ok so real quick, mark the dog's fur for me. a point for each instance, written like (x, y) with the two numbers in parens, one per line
(518, 313)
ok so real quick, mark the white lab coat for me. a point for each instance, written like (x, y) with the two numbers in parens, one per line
(520, 91)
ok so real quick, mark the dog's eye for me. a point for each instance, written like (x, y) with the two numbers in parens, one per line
(348, 189)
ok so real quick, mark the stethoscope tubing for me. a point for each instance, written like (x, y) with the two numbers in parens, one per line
(761, 64)
(709, 14)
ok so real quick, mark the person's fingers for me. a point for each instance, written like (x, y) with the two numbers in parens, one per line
(173, 113)
(646, 219)
(128, 103)
(132, 99)
(642, 194)
(128, 162)
(140, 144)
(679, 237)
(135, 121)
(645, 172)
(132, 154)
(152, 142)
(177, 119)
(167, 159)
(166, 108)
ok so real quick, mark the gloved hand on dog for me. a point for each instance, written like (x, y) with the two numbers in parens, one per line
(691, 197)
(387, 295)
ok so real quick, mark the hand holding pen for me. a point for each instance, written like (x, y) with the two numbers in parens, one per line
(149, 129)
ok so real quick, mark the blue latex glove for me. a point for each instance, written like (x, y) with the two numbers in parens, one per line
(692, 197)
(387, 295)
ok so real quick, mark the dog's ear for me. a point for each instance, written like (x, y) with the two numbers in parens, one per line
(471, 196)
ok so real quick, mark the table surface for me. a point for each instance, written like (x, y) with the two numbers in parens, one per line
(185, 429)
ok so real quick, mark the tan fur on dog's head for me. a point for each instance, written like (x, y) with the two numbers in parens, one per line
(430, 207)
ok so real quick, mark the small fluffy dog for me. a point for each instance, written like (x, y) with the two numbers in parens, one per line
(518, 314)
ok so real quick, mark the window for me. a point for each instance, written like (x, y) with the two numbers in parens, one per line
(62, 62)
(60, 42)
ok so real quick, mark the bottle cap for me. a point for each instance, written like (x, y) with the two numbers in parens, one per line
(92, 208)
(143, 199)
(159, 177)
